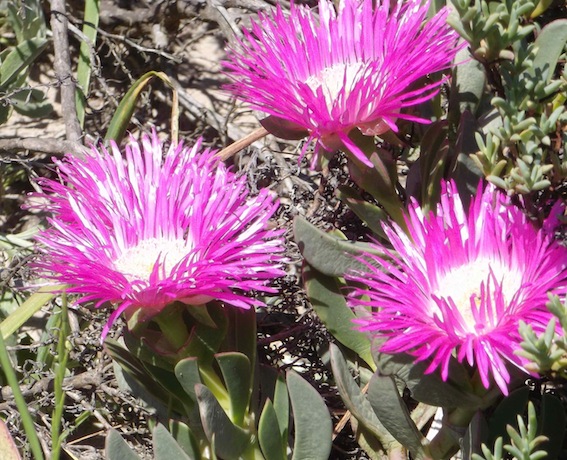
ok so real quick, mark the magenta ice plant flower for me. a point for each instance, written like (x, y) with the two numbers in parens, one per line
(460, 284)
(154, 226)
(331, 72)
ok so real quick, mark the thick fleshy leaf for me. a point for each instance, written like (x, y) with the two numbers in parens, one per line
(242, 324)
(187, 372)
(369, 213)
(281, 405)
(430, 388)
(165, 445)
(356, 401)
(332, 309)
(432, 160)
(477, 433)
(125, 109)
(549, 43)
(380, 179)
(469, 80)
(230, 441)
(391, 410)
(185, 438)
(133, 367)
(312, 441)
(541, 8)
(552, 424)
(146, 350)
(328, 254)
(19, 58)
(466, 172)
(117, 449)
(273, 387)
(283, 129)
(506, 414)
(31, 103)
(367, 440)
(237, 375)
(29, 308)
(271, 442)
(8, 449)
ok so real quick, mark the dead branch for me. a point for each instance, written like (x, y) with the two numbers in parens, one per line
(57, 147)
(62, 65)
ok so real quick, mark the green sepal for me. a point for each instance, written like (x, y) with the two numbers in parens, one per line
(283, 129)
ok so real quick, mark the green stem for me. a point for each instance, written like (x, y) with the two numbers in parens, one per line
(173, 326)
(252, 452)
(62, 357)
(21, 404)
(446, 442)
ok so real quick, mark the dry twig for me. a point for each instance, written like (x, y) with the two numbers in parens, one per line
(55, 147)
(62, 65)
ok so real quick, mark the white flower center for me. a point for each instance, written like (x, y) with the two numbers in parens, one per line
(333, 79)
(137, 262)
(464, 282)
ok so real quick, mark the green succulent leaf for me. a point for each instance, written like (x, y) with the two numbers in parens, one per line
(330, 305)
(356, 401)
(313, 441)
(369, 213)
(328, 254)
(125, 110)
(237, 375)
(506, 412)
(393, 413)
(552, 424)
(8, 449)
(117, 449)
(550, 43)
(187, 373)
(269, 434)
(185, 438)
(165, 445)
(20, 58)
(229, 440)
(430, 388)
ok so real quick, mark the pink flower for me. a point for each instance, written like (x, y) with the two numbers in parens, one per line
(156, 227)
(332, 72)
(460, 284)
